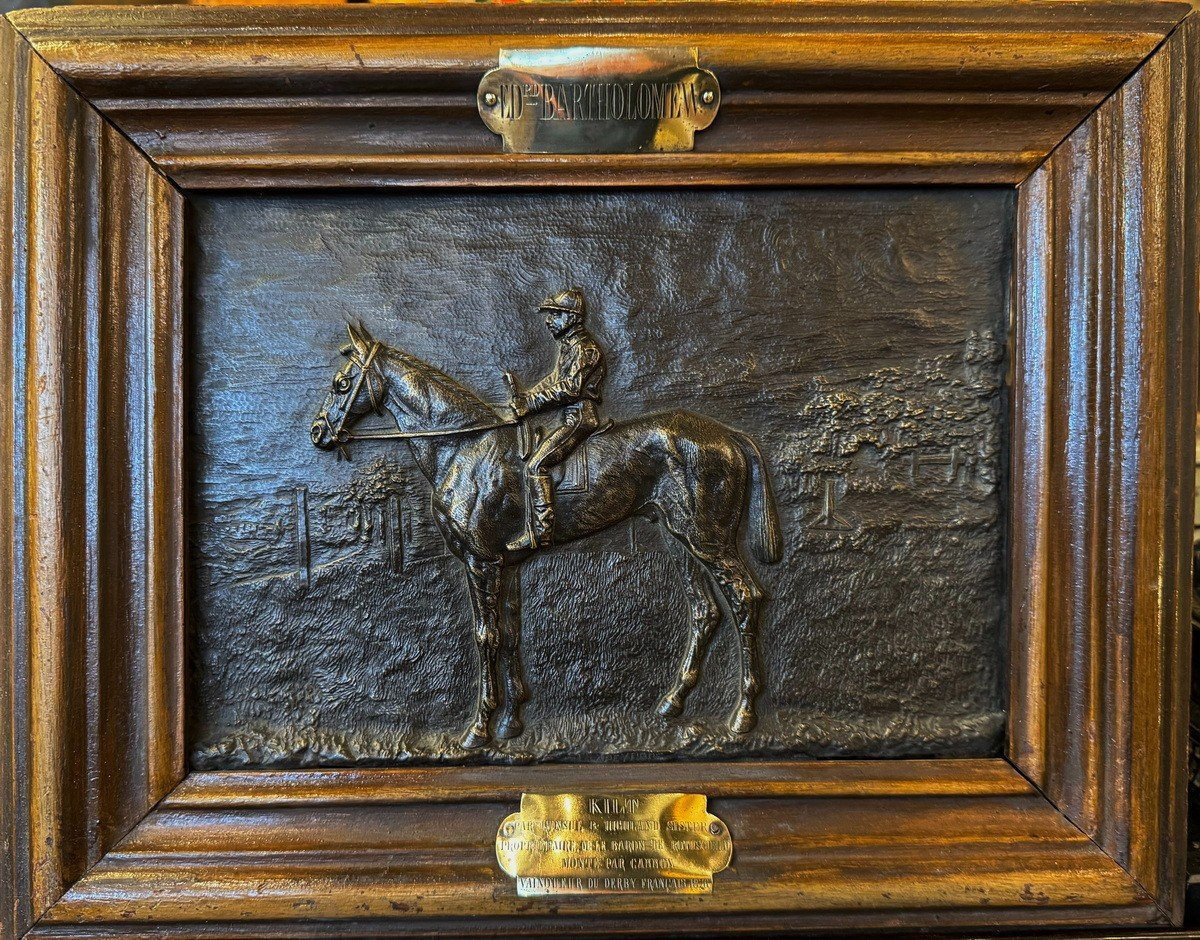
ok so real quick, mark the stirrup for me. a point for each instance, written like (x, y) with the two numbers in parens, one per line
(526, 542)
(539, 529)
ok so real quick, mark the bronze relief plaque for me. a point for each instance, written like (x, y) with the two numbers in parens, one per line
(696, 473)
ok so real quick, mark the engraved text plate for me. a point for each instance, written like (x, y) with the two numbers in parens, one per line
(598, 100)
(651, 843)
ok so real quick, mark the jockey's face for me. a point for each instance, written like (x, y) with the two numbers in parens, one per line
(559, 321)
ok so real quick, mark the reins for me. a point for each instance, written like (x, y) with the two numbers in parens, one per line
(344, 436)
(398, 435)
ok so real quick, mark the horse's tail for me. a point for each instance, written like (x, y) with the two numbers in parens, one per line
(767, 543)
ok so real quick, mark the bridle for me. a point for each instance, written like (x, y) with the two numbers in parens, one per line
(343, 436)
(340, 433)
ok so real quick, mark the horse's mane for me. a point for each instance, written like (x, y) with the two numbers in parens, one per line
(436, 397)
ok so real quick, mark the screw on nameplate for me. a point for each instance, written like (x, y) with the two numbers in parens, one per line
(586, 99)
(639, 843)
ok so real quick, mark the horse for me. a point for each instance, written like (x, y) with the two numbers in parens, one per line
(692, 475)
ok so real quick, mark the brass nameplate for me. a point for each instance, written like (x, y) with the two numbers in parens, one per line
(648, 843)
(589, 99)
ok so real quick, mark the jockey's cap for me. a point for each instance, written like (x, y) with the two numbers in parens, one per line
(570, 300)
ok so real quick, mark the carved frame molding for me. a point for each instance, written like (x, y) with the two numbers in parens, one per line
(109, 116)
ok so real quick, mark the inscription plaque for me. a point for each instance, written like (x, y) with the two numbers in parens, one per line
(651, 843)
(598, 100)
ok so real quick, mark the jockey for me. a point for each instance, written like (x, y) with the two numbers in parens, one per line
(573, 388)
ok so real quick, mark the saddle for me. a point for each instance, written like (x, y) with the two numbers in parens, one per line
(572, 476)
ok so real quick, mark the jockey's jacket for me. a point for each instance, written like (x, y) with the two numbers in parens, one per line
(578, 374)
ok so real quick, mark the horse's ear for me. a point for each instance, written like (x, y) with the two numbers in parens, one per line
(356, 339)
(364, 333)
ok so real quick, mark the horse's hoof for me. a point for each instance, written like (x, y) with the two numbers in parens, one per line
(475, 738)
(744, 721)
(509, 728)
(671, 706)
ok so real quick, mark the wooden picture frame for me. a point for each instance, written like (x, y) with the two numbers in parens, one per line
(111, 116)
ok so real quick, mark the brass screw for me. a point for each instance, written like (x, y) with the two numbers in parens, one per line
(490, 99)
(715, 828)
(508, 830)
(708, 96)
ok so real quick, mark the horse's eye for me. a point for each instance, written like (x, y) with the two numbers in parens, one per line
(341, 384)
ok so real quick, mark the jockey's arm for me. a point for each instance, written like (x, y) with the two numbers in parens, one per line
(553, 391)
(564, 386)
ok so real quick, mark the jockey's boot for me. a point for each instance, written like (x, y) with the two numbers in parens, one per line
(539, 514)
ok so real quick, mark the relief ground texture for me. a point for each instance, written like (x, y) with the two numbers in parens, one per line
(858, 336)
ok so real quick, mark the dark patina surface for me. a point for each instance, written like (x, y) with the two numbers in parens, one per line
(857, 336)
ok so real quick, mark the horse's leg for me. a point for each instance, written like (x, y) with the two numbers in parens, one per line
(516, 693)
(744, 596)
(705, 615)
(483, 578)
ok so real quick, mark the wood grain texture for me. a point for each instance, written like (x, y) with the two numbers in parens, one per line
(877, 861)
(164, 484)
(91, 457)
(1030, 519)
(1105, 395)
(813, 93)
(86, 306)
(15, 914)
(840, 778)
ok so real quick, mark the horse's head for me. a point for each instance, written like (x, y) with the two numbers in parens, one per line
(358, 387)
